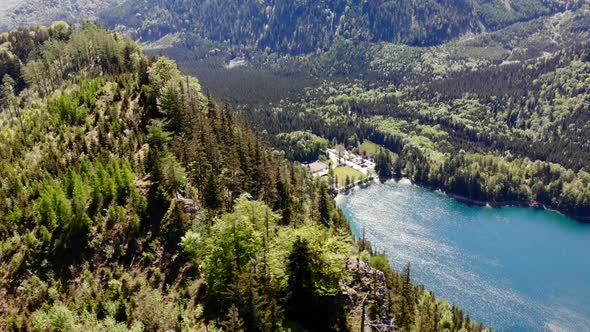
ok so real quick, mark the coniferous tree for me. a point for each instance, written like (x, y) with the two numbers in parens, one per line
(407, 308)
(300, 273)
(383, 165)
(283, 201)
(324, 200)
(211, 194)
(233, 321)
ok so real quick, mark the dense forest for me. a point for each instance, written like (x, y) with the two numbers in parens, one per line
(25, 13)
(135, 197)
(511, 133)
(292, 27)
(500, 118)
(133, 201)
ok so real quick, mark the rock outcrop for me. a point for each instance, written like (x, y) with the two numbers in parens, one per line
(368, 300)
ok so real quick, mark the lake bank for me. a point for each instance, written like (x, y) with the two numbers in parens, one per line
(512, 268)
(471, 201)
(499, 204)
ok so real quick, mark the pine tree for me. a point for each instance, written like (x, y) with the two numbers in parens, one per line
(233, 321)
(324, 206)
(300, 274)
(408, 305)
(211, 195)
(283, 201)
(383, 165)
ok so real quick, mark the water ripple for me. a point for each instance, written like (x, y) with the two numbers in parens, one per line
(494, 263)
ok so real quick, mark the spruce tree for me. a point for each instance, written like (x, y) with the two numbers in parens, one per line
(211, 196)
(300, 274)
(233, 321)
(324, 206)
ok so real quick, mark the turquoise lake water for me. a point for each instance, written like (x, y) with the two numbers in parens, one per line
(511, 268)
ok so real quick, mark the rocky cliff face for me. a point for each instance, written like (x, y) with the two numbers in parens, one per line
(368, 300)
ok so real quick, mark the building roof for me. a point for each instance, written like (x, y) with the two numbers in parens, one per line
(317, 166)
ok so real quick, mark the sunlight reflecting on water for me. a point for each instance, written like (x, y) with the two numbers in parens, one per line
(516, 269)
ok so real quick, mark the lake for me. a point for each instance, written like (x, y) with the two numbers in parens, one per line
(511, 268)
(8, 4)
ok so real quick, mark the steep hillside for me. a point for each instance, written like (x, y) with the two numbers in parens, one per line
(261, 77)
(130, 201)
(507, 133)
(295, 27)
(35, 12)
(497, 118)
(288, 27)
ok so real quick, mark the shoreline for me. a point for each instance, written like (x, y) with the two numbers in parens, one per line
(463, 199)
(498, 204)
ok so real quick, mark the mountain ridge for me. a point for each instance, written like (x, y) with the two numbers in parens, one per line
(303, 27)
(130, 200)
(290, 27)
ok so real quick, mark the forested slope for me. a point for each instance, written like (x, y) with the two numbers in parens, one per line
(294, 27)
(25, 13)
(131, 201)
(508, 133)
(496, 118)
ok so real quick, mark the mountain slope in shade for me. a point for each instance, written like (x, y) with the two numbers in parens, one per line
(304, 26)
(24, 13)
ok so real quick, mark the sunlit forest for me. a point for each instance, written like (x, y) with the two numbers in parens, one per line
(133, 201)
(155, 155)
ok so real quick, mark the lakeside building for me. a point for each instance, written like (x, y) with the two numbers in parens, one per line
(347, 158)
(318, 168)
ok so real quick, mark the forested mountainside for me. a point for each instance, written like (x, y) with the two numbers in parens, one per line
(289, 27)
(131, 201)
(515, 132)
(498, 117)
(25, 13)
(295, 27)
(262, 78)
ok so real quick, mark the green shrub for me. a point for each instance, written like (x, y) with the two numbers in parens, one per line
(57, 318)
(191, 243)
(380, 263)
(65, 106)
